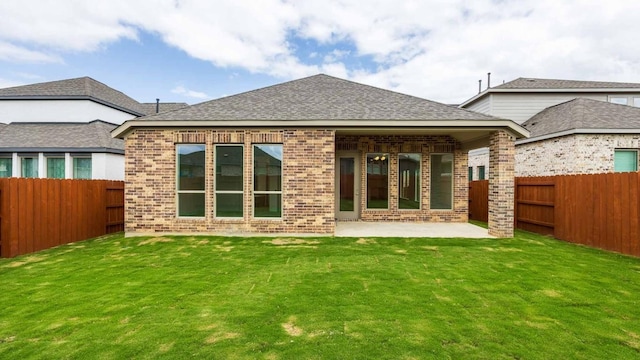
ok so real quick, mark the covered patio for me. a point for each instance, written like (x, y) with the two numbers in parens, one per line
(410, 230)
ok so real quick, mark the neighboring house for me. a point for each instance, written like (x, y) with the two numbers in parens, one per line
(53, 131)
(72, 100)
(580, 136)
(522, 98)
(61, 150)
(296, 157)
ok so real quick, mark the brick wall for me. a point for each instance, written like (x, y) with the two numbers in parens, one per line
(501, 184)
(573, 154)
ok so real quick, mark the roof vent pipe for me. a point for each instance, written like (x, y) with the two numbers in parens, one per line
(479, 86)
(488, 80)
(157, 106)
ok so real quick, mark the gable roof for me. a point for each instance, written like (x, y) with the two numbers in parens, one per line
(582, 115)
(78, 88)
(531, 83)
(320, 97)
(94, 136)
(150, 108)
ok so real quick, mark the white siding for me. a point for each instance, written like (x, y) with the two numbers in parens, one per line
(59, 111)
(107, 166)
(481, 106)
(521, 107)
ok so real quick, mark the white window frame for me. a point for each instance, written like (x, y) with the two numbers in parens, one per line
(215, 185)
(612, 99)
(453, 169)
(366, 183)
(418, 185)
(178, 191)
(253, 185)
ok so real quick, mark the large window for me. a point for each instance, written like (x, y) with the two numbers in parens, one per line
(190, 179)
(229, 181)
(377, 181)
(29, 166)
(55, 167)
(6, 167)
(82, 168)
(625, 160)
(267, 181)
(441, 181)
(409, 181)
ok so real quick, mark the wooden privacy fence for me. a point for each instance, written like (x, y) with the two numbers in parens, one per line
(37, 214)
(601, 210)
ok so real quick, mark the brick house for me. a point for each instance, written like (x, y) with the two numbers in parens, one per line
(523, 98)
(296, 157)
(580, 136)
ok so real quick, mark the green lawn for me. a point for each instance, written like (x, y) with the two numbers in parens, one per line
(243, 298)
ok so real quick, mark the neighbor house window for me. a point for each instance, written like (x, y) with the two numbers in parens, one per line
(55, 167)
(81, 167)
(377, 181)
(190, 179)
(29, 166)
(636, 101)
(625, 160)
(6, 167)
(618, 100)
(441, 182)
(470, 173)
(481, 175)
(409, 181)
(229, 181)
(267, 181)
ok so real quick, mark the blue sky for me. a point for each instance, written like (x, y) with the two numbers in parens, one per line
(195, 50)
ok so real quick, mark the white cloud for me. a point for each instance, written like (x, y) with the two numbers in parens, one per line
(436, 49)
(181, 90)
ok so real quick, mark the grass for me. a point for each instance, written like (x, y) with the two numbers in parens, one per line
(328, 298)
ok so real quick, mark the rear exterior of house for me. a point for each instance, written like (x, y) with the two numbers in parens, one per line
(297, 157)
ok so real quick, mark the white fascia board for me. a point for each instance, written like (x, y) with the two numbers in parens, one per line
(498, 124)
(576, 132)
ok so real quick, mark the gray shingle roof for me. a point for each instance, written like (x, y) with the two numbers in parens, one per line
(531, 83)
(49, 135)
(583, 113)
(150, 108)
(83, 88)
(320, 97)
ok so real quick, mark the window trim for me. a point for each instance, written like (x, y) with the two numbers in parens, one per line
(611, 97)
(215, 182)
(453, 169)
(177, 185)
(366, 180)
(419, 181)
(253, 185)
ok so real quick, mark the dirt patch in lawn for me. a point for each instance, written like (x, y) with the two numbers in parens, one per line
(285, 241)
(155, 240)
(27, 260)
(363, 241)
(551, 293)
(291, 328)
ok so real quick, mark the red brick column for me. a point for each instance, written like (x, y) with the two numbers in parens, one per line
(501, 184)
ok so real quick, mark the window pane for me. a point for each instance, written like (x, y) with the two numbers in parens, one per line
(191, 167)
(441, 181)
(377, 181)
(229, 205)
(470, 173)
(6, 167)
(55, 168)
(347, 179)
(29, 167)
(636, 101)
(267, 205)
(267, 171)
(481, 173)
(191, 204)
(82, 168)
(625, 160)
(229, 168)
(409, 181)
(618, 100)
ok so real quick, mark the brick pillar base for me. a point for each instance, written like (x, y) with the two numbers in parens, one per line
(501, 184)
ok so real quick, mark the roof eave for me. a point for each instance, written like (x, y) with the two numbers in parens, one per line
(576, 132)
(73, 97)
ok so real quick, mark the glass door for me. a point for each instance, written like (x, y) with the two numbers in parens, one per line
(347, 186)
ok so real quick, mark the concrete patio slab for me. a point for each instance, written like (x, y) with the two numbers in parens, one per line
(403, 229)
